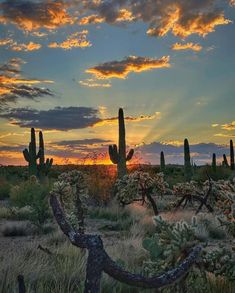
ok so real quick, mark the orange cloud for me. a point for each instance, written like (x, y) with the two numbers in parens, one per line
(186, 46)
(76, 40)
(31, 46)
(121, 69)
(30, 16)
(184, 26)
(232, 2)
(229, 126)
(91, 83)
(181, 18)
(91, 19)
(4, 42)
(123, 15)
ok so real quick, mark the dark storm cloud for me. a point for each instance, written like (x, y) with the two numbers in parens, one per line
(59, 118)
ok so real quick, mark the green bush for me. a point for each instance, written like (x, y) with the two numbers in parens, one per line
(203, 172)
(34, 195)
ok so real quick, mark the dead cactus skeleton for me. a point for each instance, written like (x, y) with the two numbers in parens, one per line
(99, 261)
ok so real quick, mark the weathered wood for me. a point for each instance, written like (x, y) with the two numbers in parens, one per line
(21, 284)
(99, 261)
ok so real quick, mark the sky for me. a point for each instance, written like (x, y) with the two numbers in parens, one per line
(66, 67)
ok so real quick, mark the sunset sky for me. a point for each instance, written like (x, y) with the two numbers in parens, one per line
(67, 66)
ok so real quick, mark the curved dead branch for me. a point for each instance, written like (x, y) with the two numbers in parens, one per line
(199, 197)
(99, 261)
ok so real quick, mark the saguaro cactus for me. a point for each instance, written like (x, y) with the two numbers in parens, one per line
(118, 154)
(31, 154)
(214, 162)
(162, 162)
(231, 155)
(44, 166)
(187, 161)
(225, 161)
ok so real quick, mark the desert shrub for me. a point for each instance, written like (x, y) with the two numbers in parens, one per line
(34, 195)
(112, 213)
(203, 172)
(5, 188)
(15, 213)
(5, 213)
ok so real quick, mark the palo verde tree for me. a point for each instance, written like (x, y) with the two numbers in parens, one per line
(118, 154)
(31, 156)
(187, 161)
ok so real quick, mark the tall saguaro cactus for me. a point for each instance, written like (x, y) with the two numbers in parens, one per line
(44, 166)
(187, 161)
(162, 162)
(214, 162)
(31, 154)
(225, 161)
(118, 154)
(231, 155)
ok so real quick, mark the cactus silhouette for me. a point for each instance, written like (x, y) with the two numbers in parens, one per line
(187, 161)
(214, 162)
(162, 162)
(231, 155)
(225, 161)
(31, 154)
(118, 154)
(44, 166)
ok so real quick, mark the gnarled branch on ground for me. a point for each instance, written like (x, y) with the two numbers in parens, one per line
(99, 261)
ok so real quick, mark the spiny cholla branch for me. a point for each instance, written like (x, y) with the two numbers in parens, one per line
(99, 261)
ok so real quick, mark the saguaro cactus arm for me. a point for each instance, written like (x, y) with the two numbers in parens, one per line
(113, 154)
(130, 155)
(44, 166)
(99, 261)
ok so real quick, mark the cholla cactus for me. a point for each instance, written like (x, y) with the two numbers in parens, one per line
(224, 192)
(169, 244)
(139, 185)
(220, 262)
(186, 188)
(73, 193)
